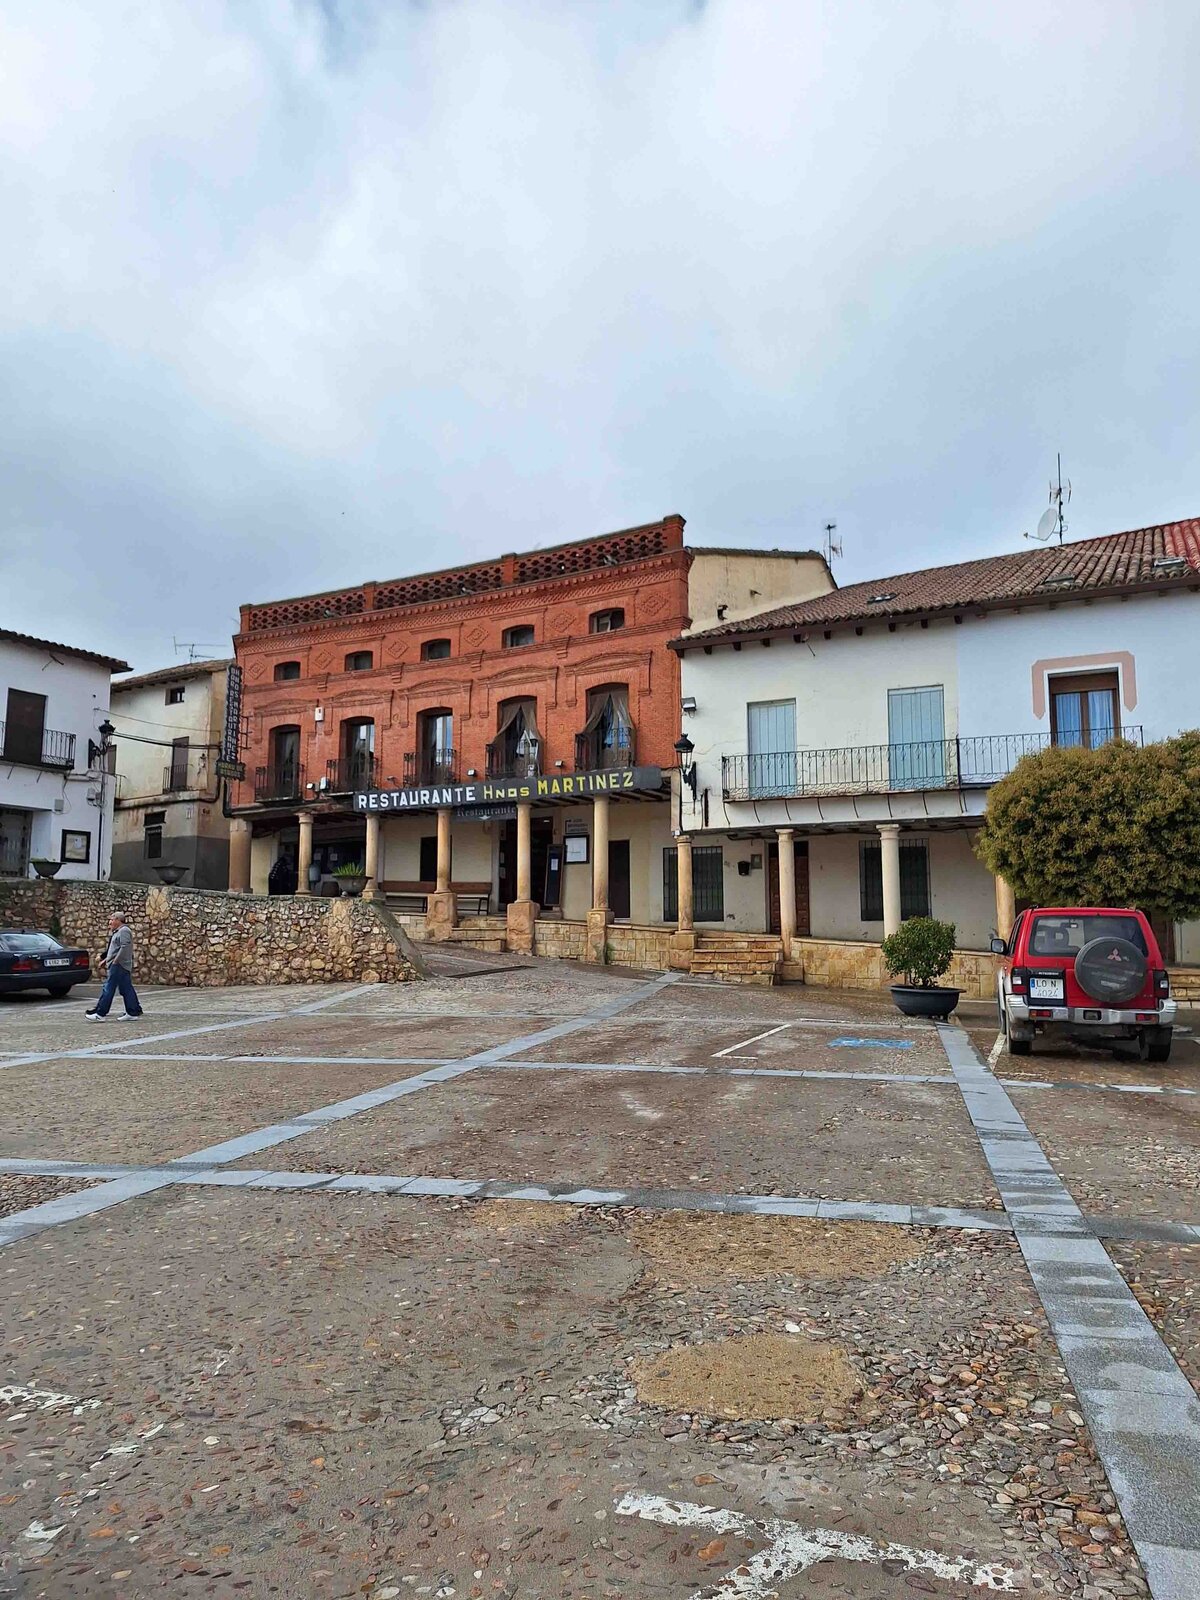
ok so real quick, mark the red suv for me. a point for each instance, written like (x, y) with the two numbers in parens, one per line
(1086, 973)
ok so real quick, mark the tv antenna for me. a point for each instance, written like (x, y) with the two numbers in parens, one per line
(1053, 520)
(195, 651)
(833, 547)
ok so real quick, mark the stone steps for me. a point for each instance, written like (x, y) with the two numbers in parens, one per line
(747, 958)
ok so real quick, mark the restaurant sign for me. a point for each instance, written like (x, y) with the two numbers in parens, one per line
(512, 791)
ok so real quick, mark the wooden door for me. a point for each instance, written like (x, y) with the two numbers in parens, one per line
(24, 727)
(803, 916)
(618, 877)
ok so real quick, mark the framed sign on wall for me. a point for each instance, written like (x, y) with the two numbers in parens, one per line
(76, 846)
(575, 848)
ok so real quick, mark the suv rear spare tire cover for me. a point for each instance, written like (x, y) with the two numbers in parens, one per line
(1111, 970)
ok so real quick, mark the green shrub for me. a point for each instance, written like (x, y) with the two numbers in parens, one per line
(920, 951)
(349, 869)
(1115, 826)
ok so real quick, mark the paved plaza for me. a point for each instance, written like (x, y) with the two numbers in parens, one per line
(546, 1282)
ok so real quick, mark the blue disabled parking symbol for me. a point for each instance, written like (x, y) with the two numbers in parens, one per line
(870, 1044)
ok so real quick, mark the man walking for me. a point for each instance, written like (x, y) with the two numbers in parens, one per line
(118, 962)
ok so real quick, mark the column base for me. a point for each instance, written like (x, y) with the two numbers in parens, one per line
(521, 917)
(441, 914)
(595, 945)
(683, 946)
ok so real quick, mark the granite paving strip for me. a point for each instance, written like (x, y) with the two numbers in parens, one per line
(728, 1072)
(1141, 1409)
(22, 1224)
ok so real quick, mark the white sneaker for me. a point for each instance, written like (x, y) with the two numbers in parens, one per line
(128, 1016)
(94, 1016)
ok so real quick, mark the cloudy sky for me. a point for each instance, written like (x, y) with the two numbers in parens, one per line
(301, 292)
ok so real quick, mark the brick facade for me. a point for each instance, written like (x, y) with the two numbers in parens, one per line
(641, 571)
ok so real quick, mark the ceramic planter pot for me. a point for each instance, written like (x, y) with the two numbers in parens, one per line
(45, 869)
(917, 1002)
(352, 886)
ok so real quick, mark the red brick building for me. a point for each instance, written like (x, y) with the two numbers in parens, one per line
(463, 700)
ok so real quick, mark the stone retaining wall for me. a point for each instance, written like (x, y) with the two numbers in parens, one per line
(839, 964)
(206, 938)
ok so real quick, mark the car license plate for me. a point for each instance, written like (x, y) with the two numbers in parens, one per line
(1046, 989)
(58, 961)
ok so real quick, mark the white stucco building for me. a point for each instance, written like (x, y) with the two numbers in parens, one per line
(863, 728)
(169, 798)
(56, 794)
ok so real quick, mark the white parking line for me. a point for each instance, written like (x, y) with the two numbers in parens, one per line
(742, 1043)
(791, 1549)
(996, 1051)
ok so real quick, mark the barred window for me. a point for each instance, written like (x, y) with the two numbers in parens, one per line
(914, 879)
(708, 883)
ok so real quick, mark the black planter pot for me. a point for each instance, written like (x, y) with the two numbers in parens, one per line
(352, 887)
(915, 1002)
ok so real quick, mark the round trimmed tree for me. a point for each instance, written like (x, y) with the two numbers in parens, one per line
(1114, 826)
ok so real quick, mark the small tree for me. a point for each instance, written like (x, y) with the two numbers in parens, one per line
(920, 951)
(1116, 826)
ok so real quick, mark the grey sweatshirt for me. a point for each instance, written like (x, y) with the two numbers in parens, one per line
(120, 949)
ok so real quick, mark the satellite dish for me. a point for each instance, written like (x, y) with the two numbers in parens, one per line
(1047, 524)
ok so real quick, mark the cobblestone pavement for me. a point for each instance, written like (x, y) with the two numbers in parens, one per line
(536, 1281)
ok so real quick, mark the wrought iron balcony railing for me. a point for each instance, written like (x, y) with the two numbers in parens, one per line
(425, 768)
(974, 763)
(599, 751)
(26, 748)
(503, 762)
(279, 783)
(350, 773)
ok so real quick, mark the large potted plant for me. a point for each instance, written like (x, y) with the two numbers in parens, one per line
(919, 952)
(351, 877)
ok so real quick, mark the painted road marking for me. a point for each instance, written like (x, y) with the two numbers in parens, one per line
(870, 1044)
(791, 1549)
(34, 1398)
(995, 1052)
(742, 1043)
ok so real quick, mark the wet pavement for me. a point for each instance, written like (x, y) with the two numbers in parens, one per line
(234, 1366)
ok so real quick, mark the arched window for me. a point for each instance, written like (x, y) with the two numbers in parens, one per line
(516, 751)
(360, 661)
(283, 777)
(515, 638)
(606, 621)
(285, 671)
(435, 757)
(606, 740)
(435, 650)
(357, 765)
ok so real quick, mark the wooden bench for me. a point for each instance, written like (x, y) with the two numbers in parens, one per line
(412, 897)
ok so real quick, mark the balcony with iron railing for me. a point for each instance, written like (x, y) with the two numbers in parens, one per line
(604, 750)
(427, 768)
(504, 761)
(279, 783)
(27, 747)
(350, 773)
(931, 764)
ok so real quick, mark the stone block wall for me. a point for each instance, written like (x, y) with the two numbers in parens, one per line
(205, 938)
(839, 964)
(559, 939)
(640, 947)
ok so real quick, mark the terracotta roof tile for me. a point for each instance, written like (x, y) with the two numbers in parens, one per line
(110, 662)
(1117, 560)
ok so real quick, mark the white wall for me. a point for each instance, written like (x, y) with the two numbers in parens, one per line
(77, 698)
(996, 654)
(143, 711)
(746, 582)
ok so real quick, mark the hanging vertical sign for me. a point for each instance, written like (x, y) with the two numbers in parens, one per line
(229, 762)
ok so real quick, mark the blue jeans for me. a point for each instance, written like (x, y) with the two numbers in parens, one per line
(118, 978)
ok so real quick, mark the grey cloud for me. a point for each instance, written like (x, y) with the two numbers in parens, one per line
(298, 294)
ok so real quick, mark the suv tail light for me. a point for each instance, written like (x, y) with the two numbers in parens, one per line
(1162, 984)
(1020, 979)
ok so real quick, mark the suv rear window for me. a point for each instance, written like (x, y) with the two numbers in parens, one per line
(1066, 936)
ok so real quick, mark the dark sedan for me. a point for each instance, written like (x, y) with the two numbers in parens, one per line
(36, 961)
